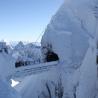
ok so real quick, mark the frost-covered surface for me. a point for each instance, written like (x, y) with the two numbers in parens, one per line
(34, 85)
(67, 82)
(71, 35)
(69, 31)
(7, 67)
(88, 76)
(6, 91)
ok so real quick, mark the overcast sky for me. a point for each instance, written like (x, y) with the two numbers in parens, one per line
(25, 19)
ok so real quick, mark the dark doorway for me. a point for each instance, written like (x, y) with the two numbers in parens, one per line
(19, 64)
(97, 59)
(51, 56)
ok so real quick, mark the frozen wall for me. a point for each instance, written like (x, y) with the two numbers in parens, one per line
(69, 31)
(71, 34)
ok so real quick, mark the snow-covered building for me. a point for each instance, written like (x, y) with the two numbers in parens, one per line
(71, 35)
(71, 27)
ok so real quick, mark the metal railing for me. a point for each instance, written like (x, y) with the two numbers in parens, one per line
(34, 69)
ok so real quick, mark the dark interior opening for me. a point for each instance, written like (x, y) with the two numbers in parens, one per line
(97, 59)
(51, 56)
(19, 64)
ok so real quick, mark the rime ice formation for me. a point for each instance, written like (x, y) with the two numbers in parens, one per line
(7, 67)
(71, 34)
(69, 31)
(7, 63)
